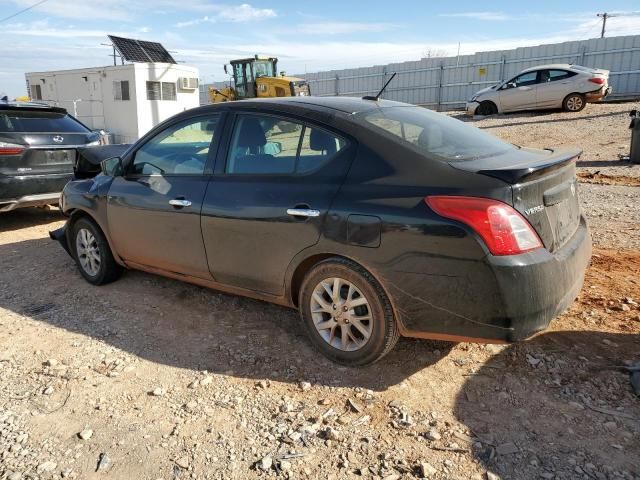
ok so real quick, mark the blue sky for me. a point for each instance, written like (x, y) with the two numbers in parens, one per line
(306, 36)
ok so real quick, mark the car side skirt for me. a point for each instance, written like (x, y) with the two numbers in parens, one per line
(449, 337)
(278, 300)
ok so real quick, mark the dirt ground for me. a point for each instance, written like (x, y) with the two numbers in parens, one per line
(150, 378)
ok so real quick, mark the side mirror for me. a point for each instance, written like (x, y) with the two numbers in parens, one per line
(225, 69)
(273, 148)
(634, 113)
(112, 167)
(510, 85)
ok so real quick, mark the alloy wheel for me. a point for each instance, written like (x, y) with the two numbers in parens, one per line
(88, 252)
(574, 103)
(341, 314)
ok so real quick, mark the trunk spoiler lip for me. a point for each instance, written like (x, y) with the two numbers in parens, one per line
(529, 169)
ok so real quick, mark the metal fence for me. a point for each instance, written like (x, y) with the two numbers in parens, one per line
(446, 83)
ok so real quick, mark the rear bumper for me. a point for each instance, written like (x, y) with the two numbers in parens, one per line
(497, 300)
(31, 190)
(598, 94)
(540, 285)
(30, 201)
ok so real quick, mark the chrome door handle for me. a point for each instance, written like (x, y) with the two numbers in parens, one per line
(303, 212)
(177, 202)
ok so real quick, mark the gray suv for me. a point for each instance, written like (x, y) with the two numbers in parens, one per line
(37, 153)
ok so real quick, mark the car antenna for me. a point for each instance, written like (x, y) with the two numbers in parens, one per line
(375, 99)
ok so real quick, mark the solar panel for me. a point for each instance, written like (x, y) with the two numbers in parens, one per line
(141, 51)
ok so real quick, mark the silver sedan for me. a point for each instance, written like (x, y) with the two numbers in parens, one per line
(565, 86)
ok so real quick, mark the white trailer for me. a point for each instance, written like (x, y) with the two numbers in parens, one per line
(126, 100)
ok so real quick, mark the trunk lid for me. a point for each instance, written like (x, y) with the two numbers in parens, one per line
(44, 152)
(544, 188)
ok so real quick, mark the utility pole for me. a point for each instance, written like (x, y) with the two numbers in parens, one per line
(604, 16)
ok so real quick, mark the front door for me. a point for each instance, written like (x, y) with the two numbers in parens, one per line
(519, 93)
(270, 200)
(154, 209)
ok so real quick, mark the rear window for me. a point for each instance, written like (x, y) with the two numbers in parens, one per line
(582, 69)
(436, 135)
(30, 121)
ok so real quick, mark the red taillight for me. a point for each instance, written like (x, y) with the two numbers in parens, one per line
(10, 149)
(503, 229)
(598, 80)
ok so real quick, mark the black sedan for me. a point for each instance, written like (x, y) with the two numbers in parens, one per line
(374, 218)
(37, 153)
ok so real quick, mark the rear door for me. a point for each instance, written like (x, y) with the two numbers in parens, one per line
(268, 201)
(553, 87)
(154, 209)
(519, 93)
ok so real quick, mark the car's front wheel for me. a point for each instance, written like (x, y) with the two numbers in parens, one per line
(574, 102)
(486, 108)
(92, 253)
(347, 313)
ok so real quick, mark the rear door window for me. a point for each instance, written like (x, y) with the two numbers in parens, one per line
(316, 148)
(555, 75)
(265, 144)
(30, 121)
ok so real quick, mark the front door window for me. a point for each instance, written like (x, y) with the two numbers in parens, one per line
(182, 149)
(526, 79)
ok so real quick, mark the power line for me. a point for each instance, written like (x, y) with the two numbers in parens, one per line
(22, 11)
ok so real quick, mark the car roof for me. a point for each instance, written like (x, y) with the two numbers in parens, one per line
(553, 66)
(30, 106)
(350, 105)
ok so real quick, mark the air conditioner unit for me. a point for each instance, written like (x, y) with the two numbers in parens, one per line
(188, 83)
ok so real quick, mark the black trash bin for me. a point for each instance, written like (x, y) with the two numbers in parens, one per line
(634, 155)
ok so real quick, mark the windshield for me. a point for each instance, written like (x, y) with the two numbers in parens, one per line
(30, 121)
(436, 135)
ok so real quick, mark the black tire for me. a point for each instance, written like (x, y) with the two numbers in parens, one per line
(384, 331)
(486, 108)
(574, 102)
(108, 269)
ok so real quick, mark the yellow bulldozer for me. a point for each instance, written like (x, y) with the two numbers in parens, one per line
(257, 77)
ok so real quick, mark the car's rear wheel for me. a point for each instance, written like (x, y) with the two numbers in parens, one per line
(486, 108)
(574, 102)
(92, 253)
(347, 313)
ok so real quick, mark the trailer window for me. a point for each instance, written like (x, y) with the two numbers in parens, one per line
(36, 92)
(121, 90)
(168, 91)
(154, 91)
(161, 91)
